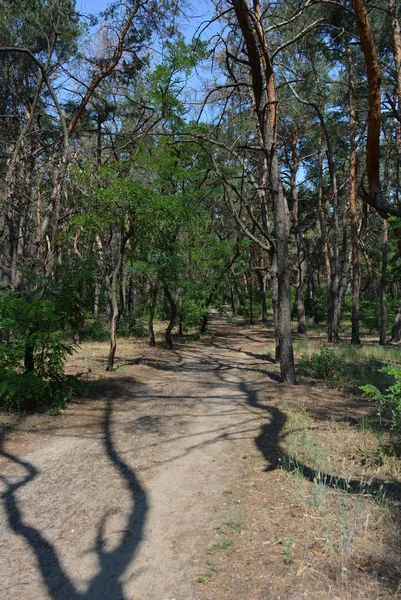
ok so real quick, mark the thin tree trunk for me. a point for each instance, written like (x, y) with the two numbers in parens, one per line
(396, 329)
(356, 279)
(383, 287)
(262, 290)
(180, 315)
(232, 300)
(396, 29)
(173, 315)
(113, 290)
(323, 218)
(275, 305)
(383, 278)
(99, 142)
(152, 308)
(311, 280)
(113, 318)
(130, 298)
(250, 299)
(29, 361)
(123, 303)
(96, 300)
(241, 301)
(298, 238)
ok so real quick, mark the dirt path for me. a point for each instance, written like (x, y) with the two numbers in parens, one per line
(118, 498)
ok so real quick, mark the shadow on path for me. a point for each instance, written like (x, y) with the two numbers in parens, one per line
(106, 584)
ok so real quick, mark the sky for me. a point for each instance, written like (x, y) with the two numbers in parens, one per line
(198, 12)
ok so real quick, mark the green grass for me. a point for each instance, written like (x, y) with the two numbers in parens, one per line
(346, 366)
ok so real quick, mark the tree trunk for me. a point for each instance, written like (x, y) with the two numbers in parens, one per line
(113, 289)
(311, 283)
(232, 300)
(113, 318)
(356, 279)
(396, 329)
(298, 238)
(249, 279)
(123, 303)
(130, 298)
(241, 301)
(204, 322)
(284, 339)
(152, 308)
(275, 305)
(262, 290)
(180, 316)
(173, 315)
(29, 361)
(383, 287)
(264, 100)
(396, 29)
(376, 196)
(96, 300)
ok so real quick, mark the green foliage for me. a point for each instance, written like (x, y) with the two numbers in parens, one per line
(96, 330)
(389, 401)
(322, 364)
(28, 392)
(130, 327)
(32, 353)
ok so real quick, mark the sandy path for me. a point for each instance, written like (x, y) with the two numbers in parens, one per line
(119, 500)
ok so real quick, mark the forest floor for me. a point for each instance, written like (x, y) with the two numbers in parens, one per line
(196, 475)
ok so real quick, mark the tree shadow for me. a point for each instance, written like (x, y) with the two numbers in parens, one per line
(107, 583)
(270, 444)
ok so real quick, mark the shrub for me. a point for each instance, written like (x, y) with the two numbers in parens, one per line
(32, 353)
(389, 409)
(322, 365)
(95, 330)
(129, 327)
(29, 392)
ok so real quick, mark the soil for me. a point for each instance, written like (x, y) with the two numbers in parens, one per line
(163, 483)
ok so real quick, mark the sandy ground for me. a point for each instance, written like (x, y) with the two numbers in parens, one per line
(117, 498)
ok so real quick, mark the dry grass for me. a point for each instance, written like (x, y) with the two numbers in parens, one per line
(352, 534)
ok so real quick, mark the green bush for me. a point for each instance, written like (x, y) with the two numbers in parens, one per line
(32, 353)
(389, 409)
(130, 327)
(322, 365)
(95, 330)
(29, 392)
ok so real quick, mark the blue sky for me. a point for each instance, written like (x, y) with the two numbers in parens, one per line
(198, 11)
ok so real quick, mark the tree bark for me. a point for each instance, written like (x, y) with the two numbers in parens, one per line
(383, 287)
(130, 298)
(396, 30)
(281, 227)
(396, 329)
(29, 361)
(301, 258)
(113, 317)
(265, 105)
(375, 196)
(262, 290)
(173, 315)
(250, 298)
(113, 290)
(356, 279)
(232, 300)
(152, 308)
